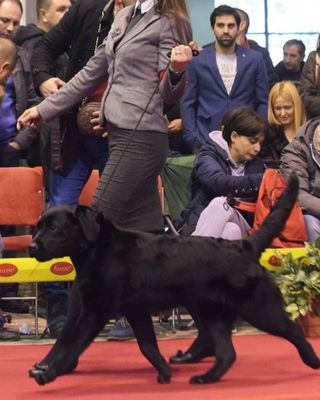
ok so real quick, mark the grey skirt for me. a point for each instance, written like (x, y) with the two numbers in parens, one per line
(127, 193)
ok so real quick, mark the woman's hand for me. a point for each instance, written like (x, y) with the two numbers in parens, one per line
(181, 56)
(175, 126)
(30, 119)
(95, 124)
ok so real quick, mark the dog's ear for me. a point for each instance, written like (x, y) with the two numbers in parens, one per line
(88, 220)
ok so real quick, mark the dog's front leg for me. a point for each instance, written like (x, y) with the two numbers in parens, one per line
(82, 326)
(147, 341)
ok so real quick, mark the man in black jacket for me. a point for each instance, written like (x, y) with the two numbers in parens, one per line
(49, 14)
(74, 155)
(290, 68)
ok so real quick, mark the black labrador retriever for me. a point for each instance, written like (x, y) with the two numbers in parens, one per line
(134, 274)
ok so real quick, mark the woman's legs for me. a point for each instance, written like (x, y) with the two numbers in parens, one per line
(312, 226)
(220, 220)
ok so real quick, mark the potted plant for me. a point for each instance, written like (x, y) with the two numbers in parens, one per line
(299, 283)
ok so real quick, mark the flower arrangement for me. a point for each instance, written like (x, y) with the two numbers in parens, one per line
(299, 282)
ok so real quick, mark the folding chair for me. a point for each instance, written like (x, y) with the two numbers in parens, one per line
(21, 204)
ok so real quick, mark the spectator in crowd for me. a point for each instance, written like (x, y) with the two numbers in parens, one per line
(224, 76)
(290, 68)
(73, 154)
(137, 132)
(8, 59)
(302, 155)
(49, 14)
(242, 40)
(19, 95)
(285, 115)
(227, 167)
(310, 83)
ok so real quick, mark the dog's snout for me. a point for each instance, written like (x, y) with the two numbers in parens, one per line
(33, 247)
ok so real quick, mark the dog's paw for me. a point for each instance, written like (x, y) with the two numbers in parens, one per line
(164, 378)
(197, 379)
(201, 380)
(41, 374)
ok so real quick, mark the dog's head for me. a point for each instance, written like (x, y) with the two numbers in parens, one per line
(64, 231)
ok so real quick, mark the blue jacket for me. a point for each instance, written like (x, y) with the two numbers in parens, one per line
(214, 178)
(206, 100)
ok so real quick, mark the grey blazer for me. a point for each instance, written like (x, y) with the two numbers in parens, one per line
(132, 63)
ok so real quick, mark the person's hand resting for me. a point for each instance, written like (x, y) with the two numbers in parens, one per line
(50, 86)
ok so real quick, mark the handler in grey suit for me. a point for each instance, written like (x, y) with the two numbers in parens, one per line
(141, 76)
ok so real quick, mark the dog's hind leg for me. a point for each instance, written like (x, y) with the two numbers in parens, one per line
(263, 308)
(199, 348)
(147, 341)
(219, 332)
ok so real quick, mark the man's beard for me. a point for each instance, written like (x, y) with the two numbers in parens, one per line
(226, 43)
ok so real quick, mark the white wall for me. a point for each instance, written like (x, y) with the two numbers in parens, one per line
(29, 11)
(200, 11)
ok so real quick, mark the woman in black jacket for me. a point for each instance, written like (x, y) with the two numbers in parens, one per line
(285, 115)
(227, 167)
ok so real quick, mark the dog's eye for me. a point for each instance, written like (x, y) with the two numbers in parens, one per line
(52, 228)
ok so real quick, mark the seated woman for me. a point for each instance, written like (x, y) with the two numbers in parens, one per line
(228, 166)
(285, 115)
(302, 155)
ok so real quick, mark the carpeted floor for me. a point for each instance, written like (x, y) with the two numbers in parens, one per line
(267, 368)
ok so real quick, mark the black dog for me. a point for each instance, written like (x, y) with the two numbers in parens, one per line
(134, 274)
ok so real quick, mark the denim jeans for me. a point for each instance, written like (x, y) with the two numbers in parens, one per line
(65, 190)
(92, 153)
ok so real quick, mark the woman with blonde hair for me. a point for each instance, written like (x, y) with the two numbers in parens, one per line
(285, 115)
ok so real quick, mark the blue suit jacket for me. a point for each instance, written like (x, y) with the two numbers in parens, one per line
(206, 100)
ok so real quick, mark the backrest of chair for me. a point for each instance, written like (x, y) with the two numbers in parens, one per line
(89, 189)
(21, 195)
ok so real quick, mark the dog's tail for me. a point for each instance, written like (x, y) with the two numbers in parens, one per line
(276, 219)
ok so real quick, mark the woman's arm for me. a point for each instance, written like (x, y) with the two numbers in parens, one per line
(80, 86)
(217, 181)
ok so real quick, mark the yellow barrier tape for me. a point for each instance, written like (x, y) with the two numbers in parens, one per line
(272, 262)
(27, 269)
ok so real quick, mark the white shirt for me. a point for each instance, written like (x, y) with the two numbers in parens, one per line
(227, 65)
(145, 6)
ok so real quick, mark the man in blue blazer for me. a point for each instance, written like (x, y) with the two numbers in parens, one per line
(224, 76)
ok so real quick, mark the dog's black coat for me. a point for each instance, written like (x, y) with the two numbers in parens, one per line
(134, 274)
